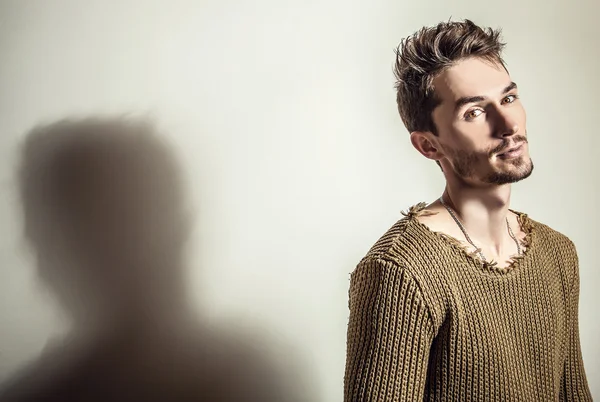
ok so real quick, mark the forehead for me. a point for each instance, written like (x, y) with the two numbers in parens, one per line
(471, 77)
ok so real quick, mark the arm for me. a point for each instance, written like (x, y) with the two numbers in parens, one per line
(390, 332)
(574, 386)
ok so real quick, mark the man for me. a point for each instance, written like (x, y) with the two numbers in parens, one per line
(106, 214)
(464, 298)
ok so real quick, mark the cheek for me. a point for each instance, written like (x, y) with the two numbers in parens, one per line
(464, 161)
(464, 145)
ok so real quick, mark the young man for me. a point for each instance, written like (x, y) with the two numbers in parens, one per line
(464, 298)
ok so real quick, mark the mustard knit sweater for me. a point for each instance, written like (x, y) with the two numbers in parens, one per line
(429, 321)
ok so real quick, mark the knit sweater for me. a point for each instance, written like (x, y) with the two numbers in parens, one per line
(430, 321)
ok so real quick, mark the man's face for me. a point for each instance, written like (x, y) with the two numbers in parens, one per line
(481, 124)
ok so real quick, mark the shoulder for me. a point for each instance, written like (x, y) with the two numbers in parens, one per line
(408, 245)
(553, 238)
(394, 246)
(386, 253)
(555, 247)
(399, 262)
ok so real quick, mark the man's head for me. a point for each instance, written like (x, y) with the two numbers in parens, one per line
(104, 211)
(460, 105)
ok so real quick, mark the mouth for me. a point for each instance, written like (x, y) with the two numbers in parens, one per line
(511, 152)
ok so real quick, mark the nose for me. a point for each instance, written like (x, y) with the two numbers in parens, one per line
(506, 125)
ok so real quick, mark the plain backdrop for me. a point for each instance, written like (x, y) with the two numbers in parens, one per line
(283, 113)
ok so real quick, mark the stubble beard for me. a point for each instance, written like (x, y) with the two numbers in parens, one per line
(465, 167)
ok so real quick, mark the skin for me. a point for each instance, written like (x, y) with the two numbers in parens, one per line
(471, 139)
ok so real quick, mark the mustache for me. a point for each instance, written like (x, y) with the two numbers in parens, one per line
(507, 144)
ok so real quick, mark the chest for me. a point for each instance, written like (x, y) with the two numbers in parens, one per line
(514, 325)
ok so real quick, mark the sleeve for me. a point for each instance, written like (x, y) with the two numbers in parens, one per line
(574, 385)
(389, 336)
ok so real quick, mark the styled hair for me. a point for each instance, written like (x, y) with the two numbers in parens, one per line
(421, 57)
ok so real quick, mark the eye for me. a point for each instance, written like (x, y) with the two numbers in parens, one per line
(510, 99)
(472, 114)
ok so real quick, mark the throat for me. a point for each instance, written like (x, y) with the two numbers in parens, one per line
(503, 257)
(500, 241)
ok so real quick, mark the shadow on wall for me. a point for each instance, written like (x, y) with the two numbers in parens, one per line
(106, 215)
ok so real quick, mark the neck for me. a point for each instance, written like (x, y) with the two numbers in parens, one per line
(483, 211)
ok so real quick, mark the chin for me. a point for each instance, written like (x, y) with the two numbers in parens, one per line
(511, 175)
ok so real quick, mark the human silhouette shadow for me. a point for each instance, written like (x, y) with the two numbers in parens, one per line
(106, 215)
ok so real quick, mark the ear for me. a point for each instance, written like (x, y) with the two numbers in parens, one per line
(426, 144)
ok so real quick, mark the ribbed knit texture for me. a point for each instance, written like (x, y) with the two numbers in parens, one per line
(429, 321)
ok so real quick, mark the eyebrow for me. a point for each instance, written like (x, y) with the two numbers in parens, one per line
(465, 100)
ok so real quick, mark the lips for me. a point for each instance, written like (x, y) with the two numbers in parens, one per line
(511, 150)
